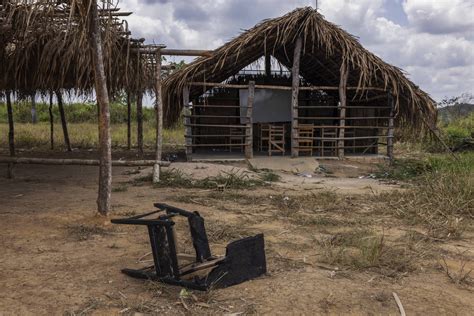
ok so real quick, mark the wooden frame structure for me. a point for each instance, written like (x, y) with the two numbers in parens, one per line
(344, 138)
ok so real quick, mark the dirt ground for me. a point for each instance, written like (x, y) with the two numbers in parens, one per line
(59, 258)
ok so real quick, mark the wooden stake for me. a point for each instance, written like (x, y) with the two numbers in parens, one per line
(295, 74)
(344, 73)
(187, 124)
(11, 135)
(249, 122)
(129, 121)
(51, 120)
(105, 145)
(159, 119)
(63, 120)
(140, 122)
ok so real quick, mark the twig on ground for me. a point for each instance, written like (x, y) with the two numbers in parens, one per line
(399, 304)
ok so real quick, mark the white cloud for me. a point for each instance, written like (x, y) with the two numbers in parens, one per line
(441, 16)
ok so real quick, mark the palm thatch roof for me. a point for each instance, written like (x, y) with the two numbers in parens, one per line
(325, 47)
(44, 45)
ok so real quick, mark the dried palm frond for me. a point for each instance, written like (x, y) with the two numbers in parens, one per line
(325, 47)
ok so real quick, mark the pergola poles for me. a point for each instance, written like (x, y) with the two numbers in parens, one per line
(188, 130)
(63, 120)
(390, 131)
(295, 74)
(105, 145)
(51, 120)
(129, 127)
(11, 134)
(140, 122)
(159, 118)
(249, 122)
(344, 73)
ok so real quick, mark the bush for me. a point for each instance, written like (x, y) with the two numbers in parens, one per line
(455, 135)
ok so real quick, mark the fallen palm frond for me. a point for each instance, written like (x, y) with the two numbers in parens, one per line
(324, 43)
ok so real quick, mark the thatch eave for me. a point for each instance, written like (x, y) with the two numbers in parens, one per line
(324, 44)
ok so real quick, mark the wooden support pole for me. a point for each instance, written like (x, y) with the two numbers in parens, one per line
(129, 121)
(11, 134)
(51, 120)
(105, 143)
(344, 73)
(140, 122)
(63, 120)
(390, 128)
(185, 52)
(187, 124)
(295, 74)
(249, 122)
(268, 65)
(159, 118)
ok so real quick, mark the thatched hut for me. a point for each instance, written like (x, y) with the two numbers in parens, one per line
(336, 99)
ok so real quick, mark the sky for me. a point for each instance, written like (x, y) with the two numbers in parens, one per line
(431, 40)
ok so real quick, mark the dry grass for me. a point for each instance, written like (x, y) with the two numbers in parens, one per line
(462, 276)
(84, 232)
(363, 249)
(224, 180)
(220, 232)
(444, 204)
(85, 135)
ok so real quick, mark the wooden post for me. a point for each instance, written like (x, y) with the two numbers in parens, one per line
(105, 144)
(188, 130)
(159, 118)
(34, 116)
(268, 65)
(11, 135)
(249, 122)
(390, 128)
(129, 121)
(344, 72)
(295, 74)
(140, 122)
(63, 120)
(51, 120)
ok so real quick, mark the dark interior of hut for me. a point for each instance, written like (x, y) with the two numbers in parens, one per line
(219, 119)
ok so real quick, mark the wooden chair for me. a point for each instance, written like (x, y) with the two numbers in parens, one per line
(264, 137)
(277, 139)
(329, 141)
(236, 137)
(305, 138)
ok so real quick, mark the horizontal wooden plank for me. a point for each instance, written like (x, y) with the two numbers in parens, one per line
(84, 162)
(338, 117)
(215, 116)
(220, 125)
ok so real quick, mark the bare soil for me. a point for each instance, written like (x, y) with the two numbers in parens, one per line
(58, 257)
